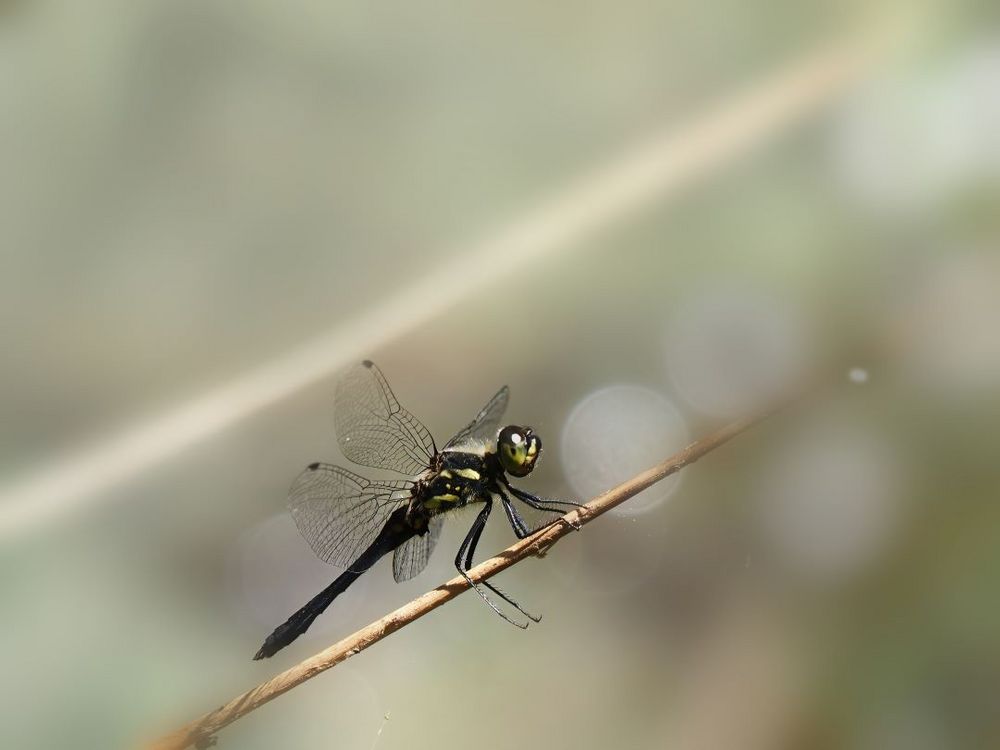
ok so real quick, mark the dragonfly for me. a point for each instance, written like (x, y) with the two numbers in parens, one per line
(352, 521)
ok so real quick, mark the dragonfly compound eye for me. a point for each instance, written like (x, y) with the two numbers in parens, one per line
(518, 448)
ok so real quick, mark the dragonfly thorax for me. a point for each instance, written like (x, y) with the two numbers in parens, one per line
(460, 478)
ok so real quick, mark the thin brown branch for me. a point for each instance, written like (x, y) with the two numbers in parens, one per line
(534, 546)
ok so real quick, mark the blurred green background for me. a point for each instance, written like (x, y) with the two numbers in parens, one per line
(190, 190)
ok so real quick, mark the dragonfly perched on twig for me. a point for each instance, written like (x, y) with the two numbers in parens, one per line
(353, 522)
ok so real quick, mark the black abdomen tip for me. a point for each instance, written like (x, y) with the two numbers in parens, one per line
(267, 650)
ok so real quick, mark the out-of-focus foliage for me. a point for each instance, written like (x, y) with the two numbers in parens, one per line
(190, 189)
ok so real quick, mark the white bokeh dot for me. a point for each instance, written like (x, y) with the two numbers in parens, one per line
(857, 375)
(615, 433)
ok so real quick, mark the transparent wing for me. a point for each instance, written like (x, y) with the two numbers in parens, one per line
(484, 426)
(412, 555)
(340, 513)
(373, 429)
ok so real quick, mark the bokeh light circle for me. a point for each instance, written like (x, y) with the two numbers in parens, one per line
(943, 324)
(730, 348)
(828, 503)
(903, 143)
(616, 432)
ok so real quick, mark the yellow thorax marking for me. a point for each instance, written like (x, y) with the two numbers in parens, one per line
(467, 473)
(446, 498)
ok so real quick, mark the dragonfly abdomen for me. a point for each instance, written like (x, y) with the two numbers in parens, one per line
(395, 532)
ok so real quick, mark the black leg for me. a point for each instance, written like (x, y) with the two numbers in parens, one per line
(517, 523)
(533, 501)
(521, 531)
(473, 543)
(464, 557)
(540, 503)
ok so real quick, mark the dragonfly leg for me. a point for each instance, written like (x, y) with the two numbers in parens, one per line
(538, 503)
(463, 561)
(521, 530)
(525, 531)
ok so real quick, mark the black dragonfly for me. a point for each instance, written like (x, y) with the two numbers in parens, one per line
(352, 521)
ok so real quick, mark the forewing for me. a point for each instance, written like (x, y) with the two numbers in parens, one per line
(484, 426)
(412, 555)
(340, 513)
(373, 429)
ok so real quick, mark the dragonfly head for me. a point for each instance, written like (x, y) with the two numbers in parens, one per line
(518, 449)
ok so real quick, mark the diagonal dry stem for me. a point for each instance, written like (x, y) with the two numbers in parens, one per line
(201, 730)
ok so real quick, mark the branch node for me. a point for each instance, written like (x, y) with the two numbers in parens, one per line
(573, 525)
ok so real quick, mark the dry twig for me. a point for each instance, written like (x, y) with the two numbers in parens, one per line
(201, 730)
